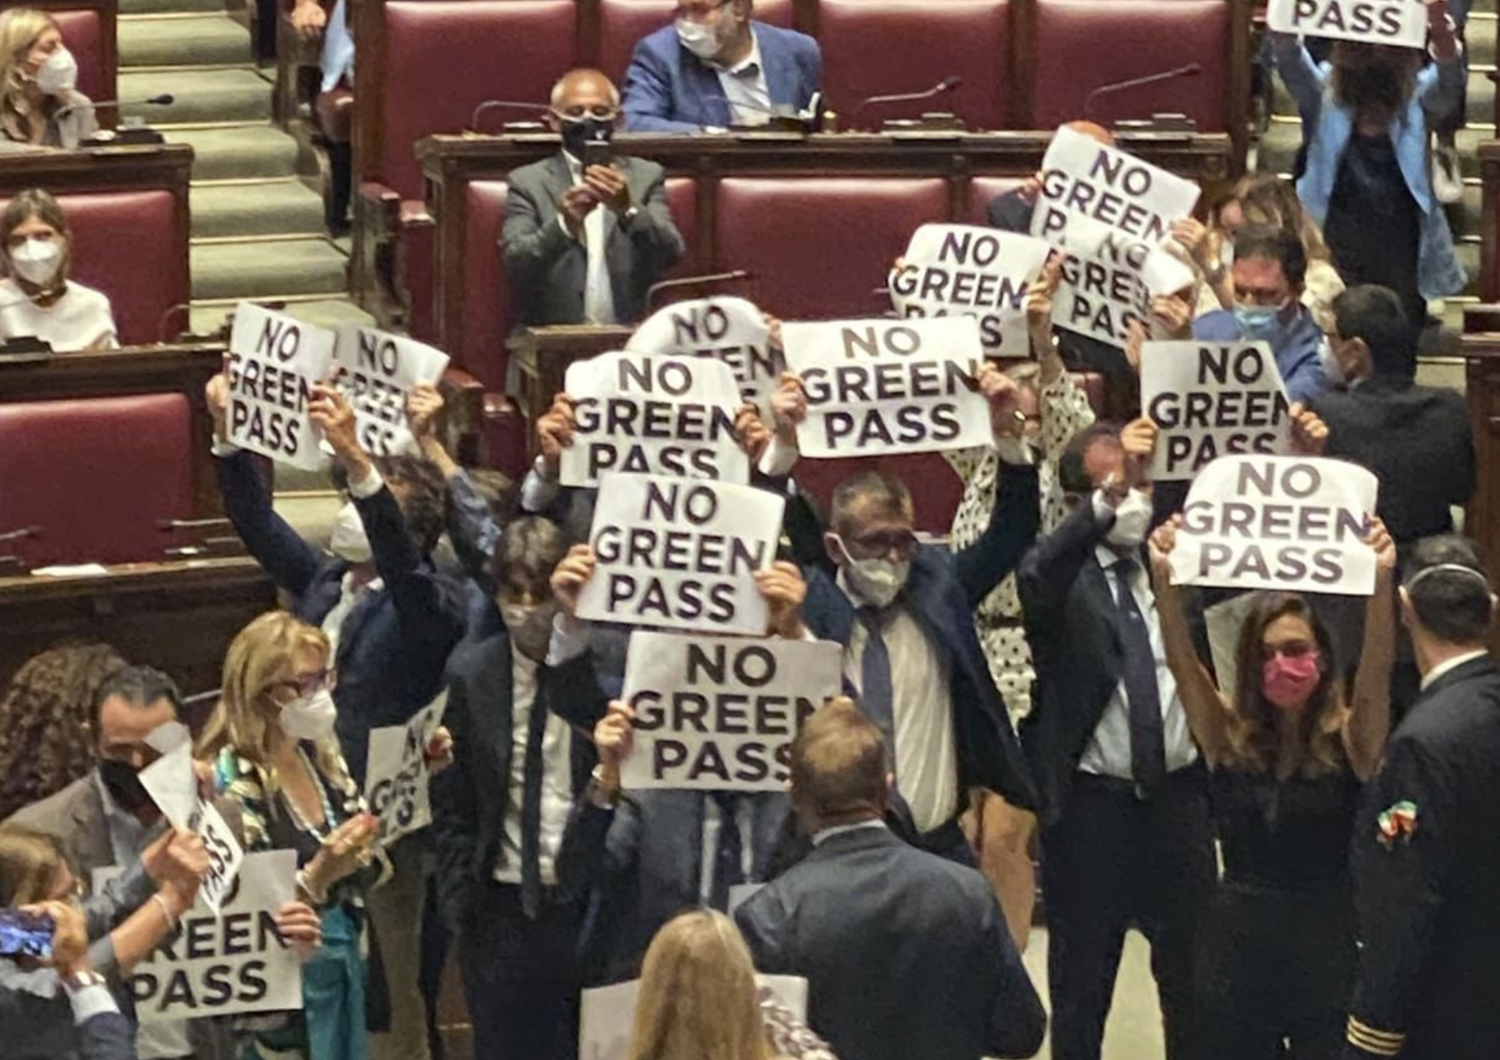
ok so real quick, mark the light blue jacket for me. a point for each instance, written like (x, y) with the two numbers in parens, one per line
(1327, 127)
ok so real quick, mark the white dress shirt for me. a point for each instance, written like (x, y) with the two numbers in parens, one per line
(926, 754)
(1452, 664)
(1108, 753)
(598, 295)
(80, 320)
(745, 87)
(713, 824)
(557, 779)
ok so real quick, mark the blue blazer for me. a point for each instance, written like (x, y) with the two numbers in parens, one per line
(942, 592)
(668, 89)
(395, 643)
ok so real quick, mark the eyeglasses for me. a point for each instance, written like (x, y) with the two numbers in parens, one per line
(883, 542)
(701, 15)
(312, 682)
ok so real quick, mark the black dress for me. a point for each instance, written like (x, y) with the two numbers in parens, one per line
(1277, 951)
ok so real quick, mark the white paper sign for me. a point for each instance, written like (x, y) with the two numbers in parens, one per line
(880, 387)
(225, 857)
(173, 786)
(606, 1016)
(965, 270)
(1096, 199)
(1398, 22)
(648, 414)
(1278, 522)
(274, 362)
(731, 330)
(397, 775)
(1099, 298)
(681, 554)
(719, 713)
(1209, 400)
(224, 965)
(376, 372)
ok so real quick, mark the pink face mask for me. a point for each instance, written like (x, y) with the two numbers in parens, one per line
(1288, 680)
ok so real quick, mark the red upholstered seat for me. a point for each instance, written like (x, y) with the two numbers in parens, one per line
(444, 57)
(819, 246)
(85, 35)
(935, 489)
(881, 47)
(133, 246)
(1082, 44)
(97, 476)
(622, 23)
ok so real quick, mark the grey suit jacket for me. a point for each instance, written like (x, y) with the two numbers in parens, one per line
(547, 267)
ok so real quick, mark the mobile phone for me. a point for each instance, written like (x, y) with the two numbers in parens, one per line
(597, 153)
(25, 934)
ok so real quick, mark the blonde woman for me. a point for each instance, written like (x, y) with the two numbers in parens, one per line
(699, 1000)
(40, 105)
(38, 298)
(274, 753)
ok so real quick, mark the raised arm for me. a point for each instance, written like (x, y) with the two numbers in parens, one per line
(1369, 721)
(1301, 76)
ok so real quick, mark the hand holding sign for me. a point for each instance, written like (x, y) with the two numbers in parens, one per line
(614, 739)
(1040, 295)
(344, 852)
(785, 590)
(554, 432)
(1309, 432)
(300, 927)
(570, 576)
(334, 416)
(176, 862)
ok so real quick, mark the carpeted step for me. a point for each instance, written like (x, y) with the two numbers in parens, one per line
(163, 7)
(325, 313)
(201, 97)
(1479, 38)
(205, 40)
(276, 208)
(242, 153)
(268, 270)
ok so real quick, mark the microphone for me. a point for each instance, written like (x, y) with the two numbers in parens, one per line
(184, 524)
(166, 99)
(947, 84)
(501, 104)
(695, 281)
(1190, 70)
(165, 318)
(21, 534)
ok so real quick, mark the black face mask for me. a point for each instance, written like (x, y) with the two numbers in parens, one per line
(579, 131)
(125, 786)
(1374, 85)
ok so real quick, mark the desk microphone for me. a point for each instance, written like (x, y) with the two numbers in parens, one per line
(166, 99)
(1190, 70)
(947, 84)
(21, 534)
(733, 276)
(503, 104)
(166, 317)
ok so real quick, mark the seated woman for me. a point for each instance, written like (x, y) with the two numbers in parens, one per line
(39, 103)
(37, 298)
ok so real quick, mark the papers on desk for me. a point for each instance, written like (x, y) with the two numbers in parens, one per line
(72, 570)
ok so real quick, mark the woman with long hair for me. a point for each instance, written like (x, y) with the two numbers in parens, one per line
(275, 755)
(40, 105)
(1289, 747)
(38, 296)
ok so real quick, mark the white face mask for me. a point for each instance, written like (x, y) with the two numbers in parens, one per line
(58, 74)
(876, 582)
(1132, 518)
(699, 38)
(348, 540)
(310, 717)
(37, 260)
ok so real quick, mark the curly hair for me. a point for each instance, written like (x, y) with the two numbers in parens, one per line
(46, 737)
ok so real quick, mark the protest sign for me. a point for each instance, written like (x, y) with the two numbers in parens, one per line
(173, 786)
(606, 1014)
(396, 773)
(719, 713)
(274, 362)
(964, 270)
(1398, 22)
(1097, 201)
(1099, 298)
(376, 371)
(878, 387)
(681, 554)
(1278, 522)
(731, 330)
(649, 414)
(1209, 400)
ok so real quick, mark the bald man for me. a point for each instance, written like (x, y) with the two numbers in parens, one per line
(586, 232)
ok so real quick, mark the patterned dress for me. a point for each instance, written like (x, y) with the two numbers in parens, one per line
(1065, 411)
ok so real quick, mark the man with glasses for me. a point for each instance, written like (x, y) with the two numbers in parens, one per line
(586, 232)
(715, 67)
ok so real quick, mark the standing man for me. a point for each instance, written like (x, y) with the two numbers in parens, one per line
(1126, 834)
(584, 240)
(716, 67)
(1426, 856)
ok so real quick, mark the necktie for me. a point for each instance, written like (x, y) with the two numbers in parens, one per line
(531, 810)
(1148, 750)
(598, 298)
(877, 694)
(729, 865)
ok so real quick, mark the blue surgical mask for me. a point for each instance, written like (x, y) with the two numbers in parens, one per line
(1260, 323)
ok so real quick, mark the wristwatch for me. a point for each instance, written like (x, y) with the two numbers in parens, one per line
(596, 793)
(630, 213)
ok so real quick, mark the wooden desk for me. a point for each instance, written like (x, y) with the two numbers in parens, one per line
(179, 617)
(101, 169)
(542, 356)
(1481, 350)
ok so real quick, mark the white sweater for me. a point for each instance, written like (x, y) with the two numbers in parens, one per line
(80, 320)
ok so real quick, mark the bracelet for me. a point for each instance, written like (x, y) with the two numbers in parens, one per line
(166, 911)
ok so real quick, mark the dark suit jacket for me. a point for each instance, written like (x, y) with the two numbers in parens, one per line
(548, 267)
(395, 643)
(38, 1028)
(906, 954)
(942, 592)
(668, 89)
(1415, 439)
(471, 797)
(1428, 918)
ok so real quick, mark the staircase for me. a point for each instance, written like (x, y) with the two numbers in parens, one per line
(257, 224)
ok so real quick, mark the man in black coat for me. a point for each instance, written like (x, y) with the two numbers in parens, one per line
(906, 954)
(1426, 856)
